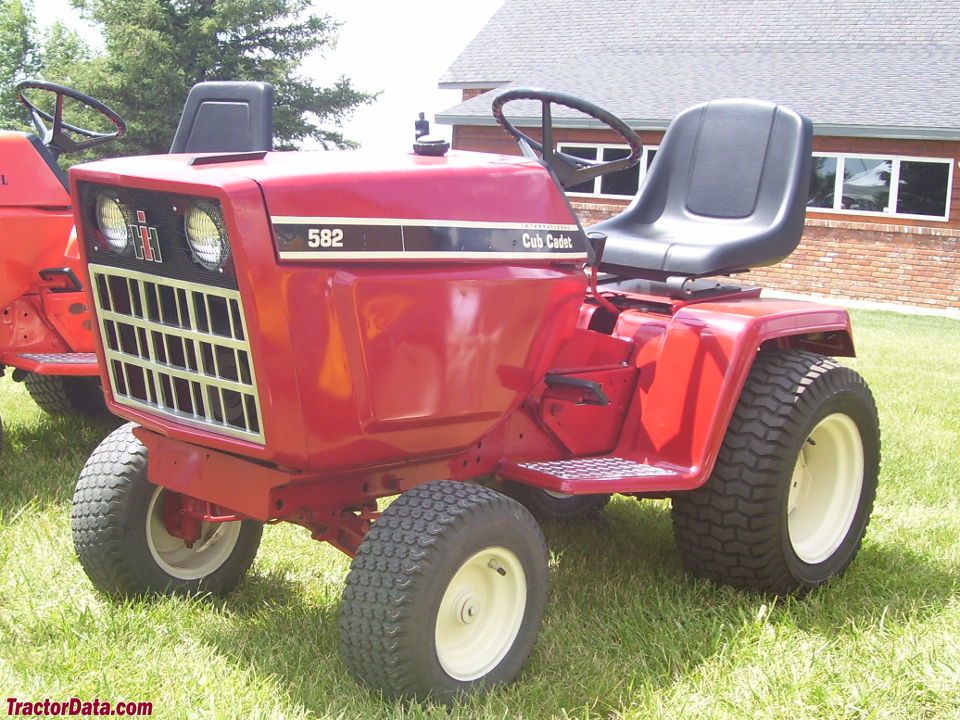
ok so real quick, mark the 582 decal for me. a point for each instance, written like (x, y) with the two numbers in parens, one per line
(325, 238)
(378, 239)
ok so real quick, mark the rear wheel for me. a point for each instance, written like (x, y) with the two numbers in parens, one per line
(549, 505)
(446, 593)
(122, 541)
(63, 394)
(792, 491)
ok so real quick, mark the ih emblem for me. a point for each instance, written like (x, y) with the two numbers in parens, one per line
(146, 243)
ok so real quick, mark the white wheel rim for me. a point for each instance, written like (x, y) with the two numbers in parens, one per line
(558, 495)
(825, 488)
(217, 541)
(480, 613)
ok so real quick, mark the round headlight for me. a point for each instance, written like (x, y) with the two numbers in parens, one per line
(207, 236)
(112, 221)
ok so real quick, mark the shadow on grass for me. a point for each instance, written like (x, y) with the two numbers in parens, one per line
(41, 459)
(884, 581)
(272, 626)
(623, 613)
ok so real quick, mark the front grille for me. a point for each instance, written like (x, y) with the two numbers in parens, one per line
(178, 349)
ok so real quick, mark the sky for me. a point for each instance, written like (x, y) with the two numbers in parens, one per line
(402, 49)
(397, 48)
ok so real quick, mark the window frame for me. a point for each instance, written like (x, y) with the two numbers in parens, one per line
(600, 147)
(894, 193)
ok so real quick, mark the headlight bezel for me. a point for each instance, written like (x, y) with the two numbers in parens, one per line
(110, 235)
(209, 246)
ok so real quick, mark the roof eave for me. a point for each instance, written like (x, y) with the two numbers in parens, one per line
(569, 123)
(893, 132)
(484, 85)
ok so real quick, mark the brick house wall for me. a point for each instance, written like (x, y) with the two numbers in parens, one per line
(859, 257)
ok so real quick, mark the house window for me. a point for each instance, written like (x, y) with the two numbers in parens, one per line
(615, 185)
(881, 185)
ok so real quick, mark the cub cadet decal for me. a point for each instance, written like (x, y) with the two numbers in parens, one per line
(146, 243)
(325, 238)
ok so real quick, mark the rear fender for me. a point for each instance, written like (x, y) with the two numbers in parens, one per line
(692, 368)
(35, 217)
(29, 176)
(33, 239)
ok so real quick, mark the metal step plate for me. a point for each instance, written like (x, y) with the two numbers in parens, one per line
(596, 468)
(79, 364)
(61, 358)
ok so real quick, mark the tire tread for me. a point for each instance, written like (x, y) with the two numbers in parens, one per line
(63, 395)
(391, 567)
(102, 492)
(108, 500)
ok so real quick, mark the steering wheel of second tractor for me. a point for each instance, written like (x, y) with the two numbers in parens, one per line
(55, 136)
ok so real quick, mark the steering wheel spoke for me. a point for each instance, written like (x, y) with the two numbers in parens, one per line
(54, 131)
(568, 169)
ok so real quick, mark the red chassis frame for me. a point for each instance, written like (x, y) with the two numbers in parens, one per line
(375, 377)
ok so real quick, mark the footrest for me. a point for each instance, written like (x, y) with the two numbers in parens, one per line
(54, 363)
(591, 475)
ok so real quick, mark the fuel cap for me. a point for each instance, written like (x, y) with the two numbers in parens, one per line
(431, 145)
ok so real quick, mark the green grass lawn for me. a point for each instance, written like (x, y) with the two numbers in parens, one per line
(627, 635)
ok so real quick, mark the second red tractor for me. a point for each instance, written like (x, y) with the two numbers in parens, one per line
(45, 330)
(46, 334)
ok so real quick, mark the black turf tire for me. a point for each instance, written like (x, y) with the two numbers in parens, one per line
(735, 528)
(393, 594)
(66, 395)
(545, 506)
(109, 523)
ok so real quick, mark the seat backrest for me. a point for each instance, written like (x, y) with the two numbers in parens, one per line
(726, 191)
(220, 116)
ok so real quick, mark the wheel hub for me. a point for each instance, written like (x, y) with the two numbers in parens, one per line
(467, 607)
(188, 560)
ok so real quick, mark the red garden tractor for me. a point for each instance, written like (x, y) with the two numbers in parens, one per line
(318, 331)
(45, 327)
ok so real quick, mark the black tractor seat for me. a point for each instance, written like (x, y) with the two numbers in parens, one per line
(226, 116)
(727, 191)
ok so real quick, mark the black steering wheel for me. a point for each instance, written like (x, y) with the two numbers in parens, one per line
(570, 170)
(55, 135)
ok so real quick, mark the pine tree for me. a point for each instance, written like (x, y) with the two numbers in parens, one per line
(154, 51)
(18, 58)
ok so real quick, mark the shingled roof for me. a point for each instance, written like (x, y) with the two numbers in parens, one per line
(882, 68)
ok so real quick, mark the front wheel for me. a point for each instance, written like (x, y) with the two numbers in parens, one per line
(446, 593)
(792, 490)
(122, 541)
